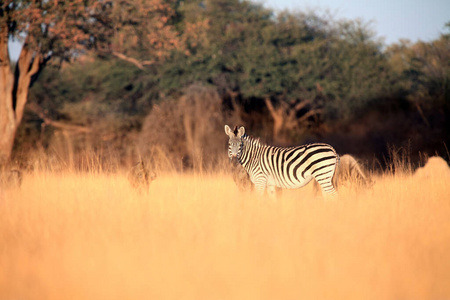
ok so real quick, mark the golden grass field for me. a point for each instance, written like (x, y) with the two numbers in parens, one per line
(90, 236)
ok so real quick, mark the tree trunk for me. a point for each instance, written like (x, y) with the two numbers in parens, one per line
(285, 118)
(279, 117)
(7, 119)
(8, 125)
(14, 88)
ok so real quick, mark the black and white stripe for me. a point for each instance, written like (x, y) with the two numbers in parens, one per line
(288, 168)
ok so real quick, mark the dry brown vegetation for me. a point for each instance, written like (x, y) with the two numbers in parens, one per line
(71, 235)
(140, 176)
(186, 130)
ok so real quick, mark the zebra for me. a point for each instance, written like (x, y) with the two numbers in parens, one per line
(288, 168)
(242, 179)
(140, 176)
(350, 173)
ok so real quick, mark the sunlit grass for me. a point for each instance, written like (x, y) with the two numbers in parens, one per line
(90, 236)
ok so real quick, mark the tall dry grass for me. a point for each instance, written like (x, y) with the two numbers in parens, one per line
(69, 235)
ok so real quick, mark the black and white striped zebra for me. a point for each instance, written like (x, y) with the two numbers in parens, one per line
(289, 168)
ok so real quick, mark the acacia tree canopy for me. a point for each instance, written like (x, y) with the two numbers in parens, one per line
(64, 29)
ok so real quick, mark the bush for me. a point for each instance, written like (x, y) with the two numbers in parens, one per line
(187, 130)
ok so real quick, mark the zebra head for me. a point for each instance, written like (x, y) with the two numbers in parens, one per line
(235, 142)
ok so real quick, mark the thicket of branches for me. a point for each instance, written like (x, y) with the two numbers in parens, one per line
(288, 77)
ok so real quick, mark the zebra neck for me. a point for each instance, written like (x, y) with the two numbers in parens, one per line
(250, 148)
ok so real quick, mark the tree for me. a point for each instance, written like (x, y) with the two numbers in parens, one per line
(423, 72)
(60, 31)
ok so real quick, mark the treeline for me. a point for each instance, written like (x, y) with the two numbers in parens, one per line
(290, 78)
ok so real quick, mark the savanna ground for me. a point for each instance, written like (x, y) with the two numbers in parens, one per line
(70, 235)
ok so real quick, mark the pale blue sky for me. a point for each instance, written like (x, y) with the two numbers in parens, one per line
(393, 20)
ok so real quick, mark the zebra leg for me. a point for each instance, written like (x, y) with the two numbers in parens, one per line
(271, 191)
(328, 188)
(260, 188)
(260, 182)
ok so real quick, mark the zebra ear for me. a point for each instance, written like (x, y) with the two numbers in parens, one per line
(241, 131)
(228, 130)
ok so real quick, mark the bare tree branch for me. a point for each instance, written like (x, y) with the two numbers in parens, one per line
(57, 124)
(137, 63)
(301, 105)
(309, 114)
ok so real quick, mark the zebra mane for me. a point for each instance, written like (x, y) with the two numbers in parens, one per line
(253, 140)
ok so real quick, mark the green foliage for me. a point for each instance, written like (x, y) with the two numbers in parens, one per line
(285, 57)
(248, 52)
(105, 95)
(423, 72)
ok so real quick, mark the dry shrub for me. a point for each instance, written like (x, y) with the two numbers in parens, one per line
(240, 177)
(75, 151)
(187, 130)
(435, 166)
(59, 160)
(162, 133)
(140, 177)
(160, 160)
(351, 171)
(399, 161)
(10, 178)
